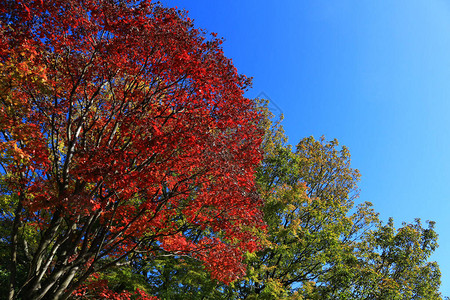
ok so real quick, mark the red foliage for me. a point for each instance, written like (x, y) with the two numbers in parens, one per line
(96, 288)
(125, 129)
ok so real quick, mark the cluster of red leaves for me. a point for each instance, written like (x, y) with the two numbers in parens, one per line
(97, 288)
(132, 120)
(222, 261)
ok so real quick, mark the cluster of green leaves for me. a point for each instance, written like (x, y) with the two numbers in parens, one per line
(389, 264)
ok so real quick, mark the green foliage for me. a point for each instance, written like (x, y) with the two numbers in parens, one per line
(390, 263)
(308, 196)
(181, 278)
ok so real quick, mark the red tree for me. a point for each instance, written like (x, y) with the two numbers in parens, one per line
(123, 131)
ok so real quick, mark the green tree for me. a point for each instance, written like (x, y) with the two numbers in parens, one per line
(308, 196)
(388, 263)
(319, 245)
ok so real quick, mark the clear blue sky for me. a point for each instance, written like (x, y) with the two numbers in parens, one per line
(373, 74)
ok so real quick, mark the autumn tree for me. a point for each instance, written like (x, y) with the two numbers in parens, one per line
(124, 135)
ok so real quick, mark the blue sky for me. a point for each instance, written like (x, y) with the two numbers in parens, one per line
(373, 74)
